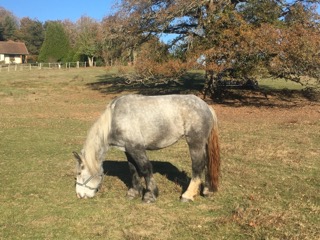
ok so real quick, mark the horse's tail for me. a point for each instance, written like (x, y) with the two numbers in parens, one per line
(213, 150)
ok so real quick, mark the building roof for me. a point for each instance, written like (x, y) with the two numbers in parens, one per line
(11, 47)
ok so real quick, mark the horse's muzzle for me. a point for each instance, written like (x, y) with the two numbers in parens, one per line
(82, 197)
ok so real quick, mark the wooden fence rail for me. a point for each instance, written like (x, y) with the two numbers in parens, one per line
(39, 66)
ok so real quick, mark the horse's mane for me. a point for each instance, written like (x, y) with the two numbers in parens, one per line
(96, 143)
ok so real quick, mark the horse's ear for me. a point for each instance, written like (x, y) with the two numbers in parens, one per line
(77, 157)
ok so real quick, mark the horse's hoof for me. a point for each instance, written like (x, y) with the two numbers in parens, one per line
(131, 197)
(207, 192)
(149, 198)
(185, 200)
(133, 194)
(147, 201)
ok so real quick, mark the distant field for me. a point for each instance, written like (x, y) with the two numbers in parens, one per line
(270, 167)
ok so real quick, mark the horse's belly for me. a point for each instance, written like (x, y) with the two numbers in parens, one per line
(160, 145)
(159, 141)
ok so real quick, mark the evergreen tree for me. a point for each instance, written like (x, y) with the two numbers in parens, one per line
(56, 45)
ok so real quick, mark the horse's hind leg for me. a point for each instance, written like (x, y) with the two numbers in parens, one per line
(198, 157)
(144, 168)
(208, 190)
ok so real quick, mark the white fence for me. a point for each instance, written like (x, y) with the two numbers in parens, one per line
(39, 66)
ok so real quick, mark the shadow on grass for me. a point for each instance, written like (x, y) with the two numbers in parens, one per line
(191, 82)
(120, 169)
(263, 97)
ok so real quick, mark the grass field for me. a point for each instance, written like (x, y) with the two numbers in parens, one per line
(270, 168)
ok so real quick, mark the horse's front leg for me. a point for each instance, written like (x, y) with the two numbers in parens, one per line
(136, 189)
(143, 166)
(152, 191)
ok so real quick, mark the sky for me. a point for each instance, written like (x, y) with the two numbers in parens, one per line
(59, 10)
(72, 10)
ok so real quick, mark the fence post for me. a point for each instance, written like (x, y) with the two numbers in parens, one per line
(77, 64)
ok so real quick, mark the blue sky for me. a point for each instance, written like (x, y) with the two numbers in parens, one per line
(58, 10)
(61, 10)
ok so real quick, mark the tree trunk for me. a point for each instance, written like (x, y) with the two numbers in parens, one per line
(208, 87)
(211, 87)
(90, 60)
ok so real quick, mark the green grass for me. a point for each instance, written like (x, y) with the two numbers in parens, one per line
(270, 171)
(278, 84)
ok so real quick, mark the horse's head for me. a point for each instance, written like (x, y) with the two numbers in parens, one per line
(87, 184)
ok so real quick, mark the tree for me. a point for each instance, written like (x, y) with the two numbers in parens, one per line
(56, 46)
(8, 25)
(120, 40)
(245, 36)
(113, 41)
(154, 64)
(89, 38)
(247, 41)
(32, 33)
(71, 29)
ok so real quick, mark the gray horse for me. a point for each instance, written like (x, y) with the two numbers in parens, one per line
(135, 124)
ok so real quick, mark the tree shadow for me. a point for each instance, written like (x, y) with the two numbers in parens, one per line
(262, 97)
(112, 84)
(120, 169)
(193, 82)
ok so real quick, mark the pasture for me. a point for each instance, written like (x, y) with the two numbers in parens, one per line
(270, 167)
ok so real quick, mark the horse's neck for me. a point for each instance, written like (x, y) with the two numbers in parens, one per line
(96, 143)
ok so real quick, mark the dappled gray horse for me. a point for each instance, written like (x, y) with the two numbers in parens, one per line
(134, 124)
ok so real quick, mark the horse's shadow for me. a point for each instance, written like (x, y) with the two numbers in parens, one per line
(120, 169)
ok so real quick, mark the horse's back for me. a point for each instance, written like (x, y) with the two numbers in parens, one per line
(163, 102)
(158, 121)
